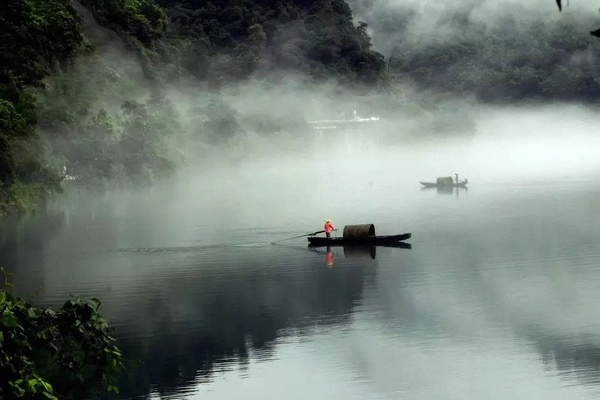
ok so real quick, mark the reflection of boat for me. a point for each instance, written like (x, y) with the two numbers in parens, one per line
(446, 190)
(445, 182)
(358, 235)
(359, 250)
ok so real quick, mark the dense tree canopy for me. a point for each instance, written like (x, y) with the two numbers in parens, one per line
(67, 99)
(503, 53)
(35, 36)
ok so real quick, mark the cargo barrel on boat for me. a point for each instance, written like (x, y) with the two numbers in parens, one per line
(357, 232)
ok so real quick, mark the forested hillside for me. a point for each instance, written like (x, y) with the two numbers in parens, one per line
(83, 84)
(499, 51)
(125, 91)
(36, 38)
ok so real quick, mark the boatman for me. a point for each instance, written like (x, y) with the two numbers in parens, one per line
(328, 228)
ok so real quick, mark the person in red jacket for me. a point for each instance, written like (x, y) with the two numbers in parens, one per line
(328, 228)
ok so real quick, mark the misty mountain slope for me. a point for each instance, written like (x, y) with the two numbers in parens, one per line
(236, 39)
(128, 91)
(498, 51)
(37, 37)
(95, 93)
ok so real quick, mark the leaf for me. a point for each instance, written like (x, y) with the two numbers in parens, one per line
(9, 320)
(47, 386)
(50, 396)
(595, 33)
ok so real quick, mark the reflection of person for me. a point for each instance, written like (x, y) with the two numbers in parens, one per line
(329, 257)
(328, 228)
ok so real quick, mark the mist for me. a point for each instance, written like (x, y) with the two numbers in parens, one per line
(263, 123)
(201, 145)
(271, 162)
(399, 22)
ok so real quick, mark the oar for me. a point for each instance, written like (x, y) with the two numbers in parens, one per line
(296, 237)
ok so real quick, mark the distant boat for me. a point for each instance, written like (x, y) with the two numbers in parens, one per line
(446, 182)
(358, 235)
(433, 184)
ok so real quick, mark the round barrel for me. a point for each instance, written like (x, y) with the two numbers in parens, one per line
(357, 232)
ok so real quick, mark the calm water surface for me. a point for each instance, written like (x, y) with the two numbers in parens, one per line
(497, 299)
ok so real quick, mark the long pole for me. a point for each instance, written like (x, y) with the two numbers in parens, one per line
(296, 237)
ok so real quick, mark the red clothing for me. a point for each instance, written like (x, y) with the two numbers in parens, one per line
(328, 227)
(329, 258)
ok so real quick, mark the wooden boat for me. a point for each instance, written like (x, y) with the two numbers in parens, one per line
(345, 241)
(353, 245)
(358, 235)
(445, 182)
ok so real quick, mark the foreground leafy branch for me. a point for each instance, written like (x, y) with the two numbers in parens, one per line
(54, 354)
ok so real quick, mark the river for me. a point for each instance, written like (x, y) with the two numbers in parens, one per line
(496, 299)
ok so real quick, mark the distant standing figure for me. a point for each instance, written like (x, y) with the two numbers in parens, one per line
(328, 228)
(456, 177)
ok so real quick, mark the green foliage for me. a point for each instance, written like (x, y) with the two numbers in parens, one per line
(220, 120)
(101, 110)
(233, 40)
(23, 196)
(98, 145)
(142, 139)
(54, 354)
(244, 38)
(35, 36)
(89, 115)
(143, 19)
(514, 55)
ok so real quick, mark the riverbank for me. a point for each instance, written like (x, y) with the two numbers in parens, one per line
(20, 198)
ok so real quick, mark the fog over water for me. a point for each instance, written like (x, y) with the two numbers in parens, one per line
(495, 299)
(496, 296)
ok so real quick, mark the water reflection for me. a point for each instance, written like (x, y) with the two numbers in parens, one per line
(573, 358)
(360, 251)
(446, 190)
(499, 291)
(329, 257)
(207, 319)
(24, 240)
